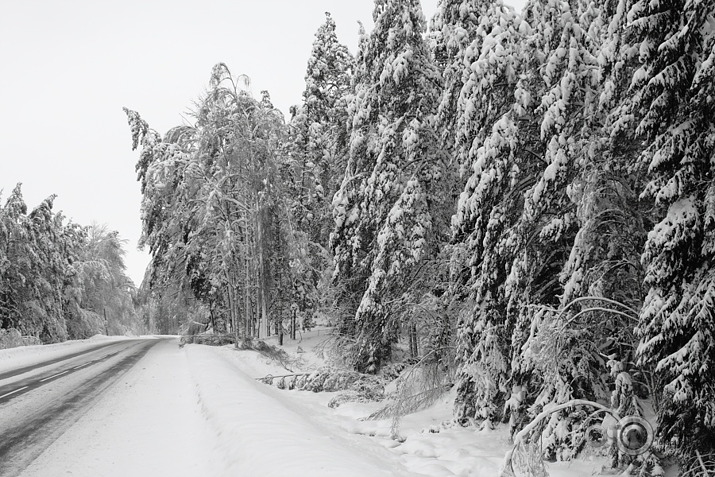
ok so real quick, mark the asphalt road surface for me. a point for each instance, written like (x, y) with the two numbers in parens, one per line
(39, 403)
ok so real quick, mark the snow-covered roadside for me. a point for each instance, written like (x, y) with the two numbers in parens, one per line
(306, 437)
(21, 356)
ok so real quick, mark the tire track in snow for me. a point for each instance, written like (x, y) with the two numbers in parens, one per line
(16, 389)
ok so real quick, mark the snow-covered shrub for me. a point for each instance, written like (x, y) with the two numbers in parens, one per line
(354, 386)
(272, 352)
(12, 338)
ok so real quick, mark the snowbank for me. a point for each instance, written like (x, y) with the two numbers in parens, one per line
(264, 436)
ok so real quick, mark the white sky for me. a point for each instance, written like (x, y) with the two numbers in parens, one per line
(68, 67)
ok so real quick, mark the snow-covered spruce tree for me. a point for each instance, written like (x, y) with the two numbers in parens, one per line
(318, 148)
(675, 106)
(561, 365)
(524, 259)
(45, 286)
(452, 31)
(485, 135)
(33, 270)
(470, 42)
(584, 224)
(36, 273)
(605, 260)
(385, 222)
(349, 276)
(516, 246)
(319, 131)
(16, 262)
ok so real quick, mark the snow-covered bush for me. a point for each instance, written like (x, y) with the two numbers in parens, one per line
(11, 338)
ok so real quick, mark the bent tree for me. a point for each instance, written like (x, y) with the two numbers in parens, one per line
(214, 210)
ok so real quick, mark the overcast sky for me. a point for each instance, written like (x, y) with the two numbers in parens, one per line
(68, 67)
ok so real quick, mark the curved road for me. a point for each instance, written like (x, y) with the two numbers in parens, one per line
(39, 403)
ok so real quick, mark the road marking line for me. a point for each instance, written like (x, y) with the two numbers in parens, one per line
(54, 376)
(13, 392)
(82, 365)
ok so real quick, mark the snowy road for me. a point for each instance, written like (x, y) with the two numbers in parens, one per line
(39, 402)
(78, 414)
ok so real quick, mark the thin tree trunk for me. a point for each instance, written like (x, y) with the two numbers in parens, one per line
(255, 313)
(414, 352)
(294, 312)
(279, 328)
(233, 316)
(264, 316)
(247, 297)
(263, 331)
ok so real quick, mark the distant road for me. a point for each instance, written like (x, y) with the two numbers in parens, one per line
(39, 403)
(65, 357)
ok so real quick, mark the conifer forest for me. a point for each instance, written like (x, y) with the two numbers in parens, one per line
(520, 203)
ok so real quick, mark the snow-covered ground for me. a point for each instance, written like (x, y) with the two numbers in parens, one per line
(199, 411)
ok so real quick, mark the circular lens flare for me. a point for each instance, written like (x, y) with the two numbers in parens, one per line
(635, 435)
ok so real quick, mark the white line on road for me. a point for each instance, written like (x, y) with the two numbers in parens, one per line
(13, 392)
(54, 376)
(83, 365)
